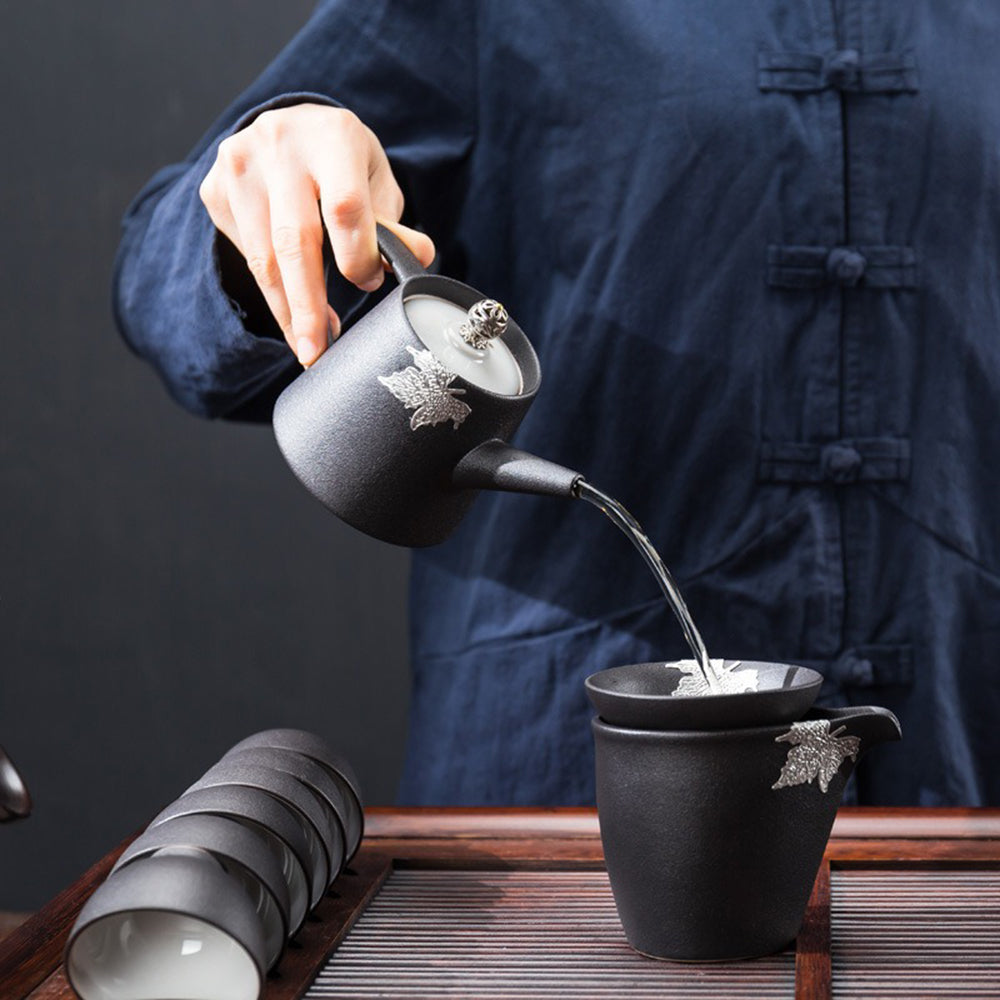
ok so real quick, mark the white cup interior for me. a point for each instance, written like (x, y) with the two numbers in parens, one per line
(158, 955)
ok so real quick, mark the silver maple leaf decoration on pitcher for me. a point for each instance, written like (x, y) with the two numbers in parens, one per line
(425, 387)
(815, 753)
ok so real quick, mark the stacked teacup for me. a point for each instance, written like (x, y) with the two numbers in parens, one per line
(201, 904)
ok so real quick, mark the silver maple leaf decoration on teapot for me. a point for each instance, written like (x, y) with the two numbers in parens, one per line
(425, 387)
(815, 753)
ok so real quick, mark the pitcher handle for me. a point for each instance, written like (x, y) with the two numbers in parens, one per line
(397, 253)
(871, 724)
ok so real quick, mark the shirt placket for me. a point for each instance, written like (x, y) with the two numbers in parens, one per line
(853, 449)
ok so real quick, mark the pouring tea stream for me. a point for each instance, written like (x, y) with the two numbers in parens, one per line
(405, 418)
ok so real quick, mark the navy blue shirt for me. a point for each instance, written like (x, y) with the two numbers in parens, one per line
(757, 247)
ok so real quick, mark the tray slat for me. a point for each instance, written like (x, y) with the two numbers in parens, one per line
(517, 934)
(930, 933)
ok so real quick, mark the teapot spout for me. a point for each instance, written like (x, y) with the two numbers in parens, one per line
(872, 725)
(495, 465)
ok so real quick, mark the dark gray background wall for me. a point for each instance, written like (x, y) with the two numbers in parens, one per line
(166, 587)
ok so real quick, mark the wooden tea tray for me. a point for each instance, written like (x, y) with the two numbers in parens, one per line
(514, 903)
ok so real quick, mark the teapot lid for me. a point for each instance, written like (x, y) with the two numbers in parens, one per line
(468, 342)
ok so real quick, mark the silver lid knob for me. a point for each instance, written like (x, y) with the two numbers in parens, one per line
(486, 319)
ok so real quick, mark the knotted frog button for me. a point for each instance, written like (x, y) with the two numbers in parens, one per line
(860, 673)
(845, 265)
(840, 68)
(841, 463)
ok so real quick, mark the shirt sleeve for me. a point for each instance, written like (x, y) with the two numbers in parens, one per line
(408, 70)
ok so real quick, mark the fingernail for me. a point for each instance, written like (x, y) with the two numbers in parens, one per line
(374, 284)
(306, 351)
(334, 326)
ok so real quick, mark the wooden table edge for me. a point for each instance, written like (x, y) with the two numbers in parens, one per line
(491, 823)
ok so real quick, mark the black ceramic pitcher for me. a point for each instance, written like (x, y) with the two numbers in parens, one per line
(402, 465)
(712, 837)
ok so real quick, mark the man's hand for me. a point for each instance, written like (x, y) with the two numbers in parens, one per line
(272, 187)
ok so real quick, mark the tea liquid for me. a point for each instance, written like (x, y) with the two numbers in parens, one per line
(633, 531)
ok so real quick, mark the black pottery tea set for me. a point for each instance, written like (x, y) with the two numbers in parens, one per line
(717, 782)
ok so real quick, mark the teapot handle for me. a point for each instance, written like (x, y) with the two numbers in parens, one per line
(404, 264)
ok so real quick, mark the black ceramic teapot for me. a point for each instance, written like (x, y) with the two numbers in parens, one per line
(400, 421)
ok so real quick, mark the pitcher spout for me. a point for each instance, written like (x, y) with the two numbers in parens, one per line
(869, 724)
